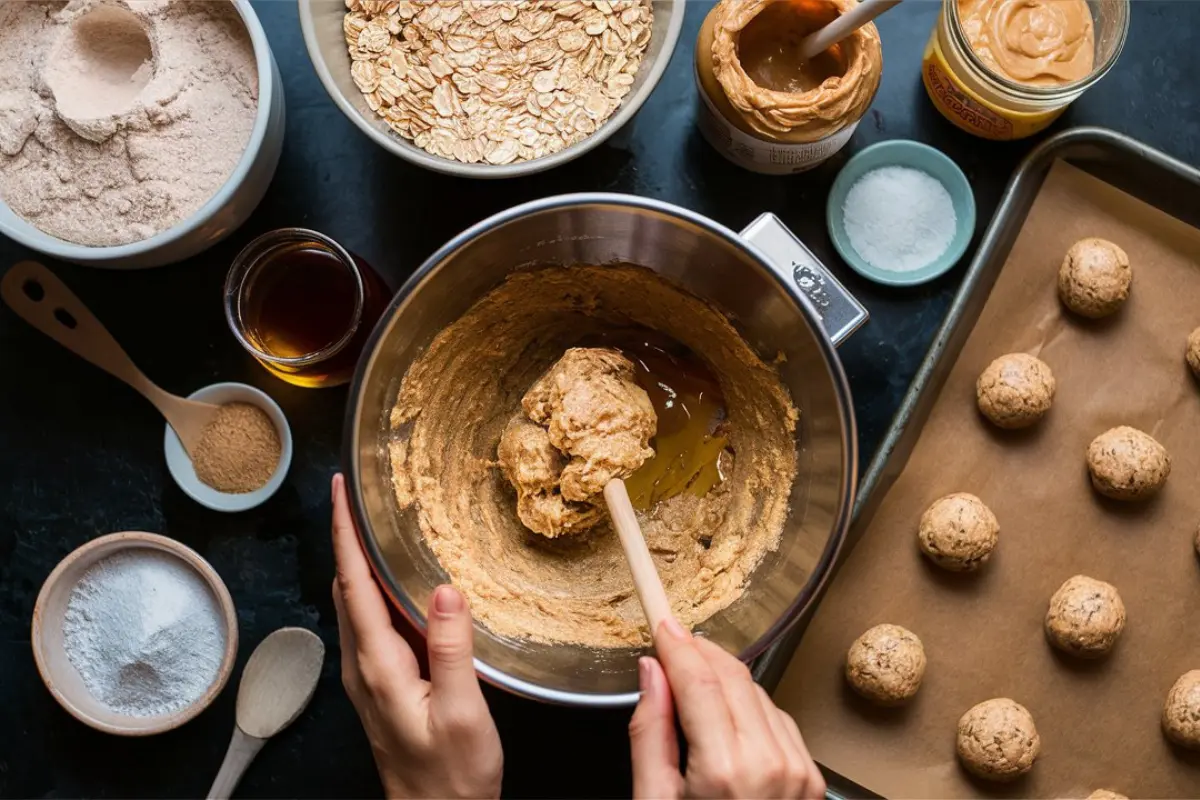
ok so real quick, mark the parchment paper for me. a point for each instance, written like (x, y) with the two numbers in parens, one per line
(1099, 721)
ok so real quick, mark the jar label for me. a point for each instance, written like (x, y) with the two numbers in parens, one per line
(966, 109)
(961, 109)
(758, 155)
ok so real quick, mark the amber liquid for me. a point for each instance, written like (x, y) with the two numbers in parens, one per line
(691, 411)
(301, 301)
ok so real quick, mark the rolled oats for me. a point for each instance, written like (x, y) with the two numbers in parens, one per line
(495, 81)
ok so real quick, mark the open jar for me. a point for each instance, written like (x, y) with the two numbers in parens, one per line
(303, 306)
(968, 83)
(764, 109)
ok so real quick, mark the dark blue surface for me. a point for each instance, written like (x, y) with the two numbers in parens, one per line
(81, 455)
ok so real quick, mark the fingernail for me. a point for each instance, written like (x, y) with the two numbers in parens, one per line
(336, 483)
(447, 600)
(646, 676)
(673, 629)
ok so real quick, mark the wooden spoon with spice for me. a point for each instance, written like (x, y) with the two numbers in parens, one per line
(42, 300)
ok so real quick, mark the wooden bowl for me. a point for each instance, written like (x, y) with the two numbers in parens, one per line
(61, 677)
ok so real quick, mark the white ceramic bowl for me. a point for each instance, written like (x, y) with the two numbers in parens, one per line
(321, 21)
(180, 465)
(217, 218)
(61, 677)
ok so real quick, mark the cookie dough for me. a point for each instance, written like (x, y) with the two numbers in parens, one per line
(1193, 352)
(997, 740)
(1094, 278)
(1015, 390)
(1181, 712)
(1106, 794)
(886, 665)
(585, 422)
(958, 532)
(458, 398)
(1085, 618)
(1127, 464)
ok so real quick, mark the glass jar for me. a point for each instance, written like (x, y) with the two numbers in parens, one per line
(796, 118)
(981, 101)
(303, 306)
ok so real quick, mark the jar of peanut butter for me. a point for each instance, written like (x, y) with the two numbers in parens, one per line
(1006, 69)
(764, 109)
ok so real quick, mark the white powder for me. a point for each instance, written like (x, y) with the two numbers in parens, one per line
(149, 141)
(899, 219)
(144, 632)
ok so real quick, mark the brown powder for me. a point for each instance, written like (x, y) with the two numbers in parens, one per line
(239, 450)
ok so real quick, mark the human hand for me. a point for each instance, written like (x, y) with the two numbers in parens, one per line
(432, 738)
(739, 743)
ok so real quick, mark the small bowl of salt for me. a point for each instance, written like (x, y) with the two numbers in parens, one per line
(901, 213)
(134, 633)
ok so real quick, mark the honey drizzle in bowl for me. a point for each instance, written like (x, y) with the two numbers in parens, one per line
(690, 406)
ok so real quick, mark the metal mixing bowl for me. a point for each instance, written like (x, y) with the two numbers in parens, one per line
(763, 300)
(321, 21)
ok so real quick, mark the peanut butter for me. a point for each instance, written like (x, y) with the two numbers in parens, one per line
(1036, 42)
(746, 62)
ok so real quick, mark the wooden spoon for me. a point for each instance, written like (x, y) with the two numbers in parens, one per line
(646, 581)
(45, 302)
(277, 684)
(824, 38)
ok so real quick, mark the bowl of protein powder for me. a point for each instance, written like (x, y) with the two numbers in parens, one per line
(134, 633)
(134, 133)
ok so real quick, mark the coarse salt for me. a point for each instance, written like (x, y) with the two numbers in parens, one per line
(144, 632)
(899, 219)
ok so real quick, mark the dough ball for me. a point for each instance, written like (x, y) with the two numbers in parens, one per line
(1106, 794)
(1193, 352)
(958, 532)
(997, 740)
(1094, 278)
(586, 421)
(886, 664)
(1085, 618)
(1181, 713)
(1127, 464)
(1015, 390)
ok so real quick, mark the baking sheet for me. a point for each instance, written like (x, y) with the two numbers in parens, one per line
(1099, 721)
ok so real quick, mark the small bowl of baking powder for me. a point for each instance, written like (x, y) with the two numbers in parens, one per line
(134, 633)
(244, 454)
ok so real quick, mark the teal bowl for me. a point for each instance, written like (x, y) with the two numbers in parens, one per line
(903, 153)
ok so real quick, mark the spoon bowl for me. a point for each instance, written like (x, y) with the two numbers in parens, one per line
(277, 684)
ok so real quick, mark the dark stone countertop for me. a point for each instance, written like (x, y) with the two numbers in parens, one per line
(81, 455)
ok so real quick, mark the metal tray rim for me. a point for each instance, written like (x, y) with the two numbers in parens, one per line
(1009, 212)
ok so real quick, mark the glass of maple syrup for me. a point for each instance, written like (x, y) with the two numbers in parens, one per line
(303, 306)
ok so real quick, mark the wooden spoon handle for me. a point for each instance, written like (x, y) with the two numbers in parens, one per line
(242, 750)
(646, 582)
(822, 39)
(45, 302)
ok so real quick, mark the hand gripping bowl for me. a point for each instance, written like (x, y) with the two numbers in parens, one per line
(321, 21)
(774, 308)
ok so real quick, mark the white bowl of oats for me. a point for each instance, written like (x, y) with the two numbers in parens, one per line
(490, 88)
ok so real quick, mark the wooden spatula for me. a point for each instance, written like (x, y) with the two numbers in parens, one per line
(45, 302)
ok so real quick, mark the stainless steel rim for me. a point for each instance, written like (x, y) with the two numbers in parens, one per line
(849, 435)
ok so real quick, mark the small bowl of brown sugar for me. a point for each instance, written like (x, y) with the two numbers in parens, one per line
(243, 455)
